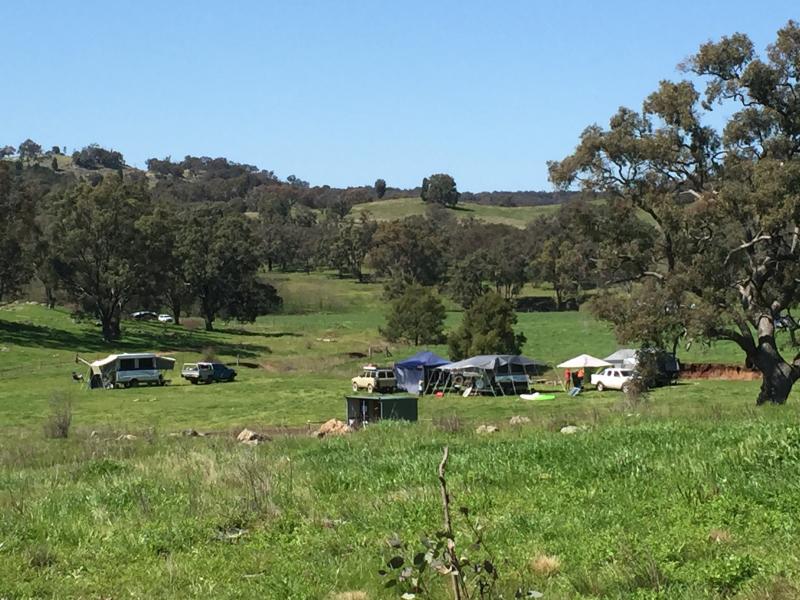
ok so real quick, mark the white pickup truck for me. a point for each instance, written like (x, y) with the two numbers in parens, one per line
(612, 379)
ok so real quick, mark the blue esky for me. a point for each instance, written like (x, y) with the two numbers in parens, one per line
(345, 92)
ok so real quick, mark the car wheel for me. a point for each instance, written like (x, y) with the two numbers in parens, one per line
(193, 381)
(370, 388)
(600, 387)
(134, 383)
(355, 387)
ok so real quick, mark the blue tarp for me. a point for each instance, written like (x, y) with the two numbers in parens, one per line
(412, 370)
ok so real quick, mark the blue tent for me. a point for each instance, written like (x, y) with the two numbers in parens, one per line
(414, 369)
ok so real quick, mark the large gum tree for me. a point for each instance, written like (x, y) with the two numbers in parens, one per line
(723, 203)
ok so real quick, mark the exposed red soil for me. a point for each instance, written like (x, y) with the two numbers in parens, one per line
(718, 371)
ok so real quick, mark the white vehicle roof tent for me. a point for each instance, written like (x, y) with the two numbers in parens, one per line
(586, 361)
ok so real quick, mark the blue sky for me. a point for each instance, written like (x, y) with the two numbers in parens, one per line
(345, 92)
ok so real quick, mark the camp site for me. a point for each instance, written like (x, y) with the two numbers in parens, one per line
(400, 301)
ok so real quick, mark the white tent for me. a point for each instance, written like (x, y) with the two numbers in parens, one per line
(584, 360)
(623, 358)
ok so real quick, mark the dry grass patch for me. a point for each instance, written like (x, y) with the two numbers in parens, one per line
(349, 596)
(720, 536)
(545, 565)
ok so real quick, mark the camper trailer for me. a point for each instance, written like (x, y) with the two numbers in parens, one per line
(127, 370)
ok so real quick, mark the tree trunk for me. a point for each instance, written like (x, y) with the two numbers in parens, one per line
(778, 375)
(176, 311)
(776, 384)
(50, 297)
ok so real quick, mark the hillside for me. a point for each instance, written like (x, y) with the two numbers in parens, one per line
(399, 208)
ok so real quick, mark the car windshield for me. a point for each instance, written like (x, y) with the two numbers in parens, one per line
(626, 373)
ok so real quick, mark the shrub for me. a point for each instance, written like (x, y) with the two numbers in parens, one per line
(58, 422)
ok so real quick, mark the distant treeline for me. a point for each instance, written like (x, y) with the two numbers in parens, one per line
(206, 179)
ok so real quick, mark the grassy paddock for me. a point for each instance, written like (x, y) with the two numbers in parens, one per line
(691, 494)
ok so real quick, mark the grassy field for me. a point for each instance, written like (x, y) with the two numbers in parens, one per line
(399, 208)
(690, 494)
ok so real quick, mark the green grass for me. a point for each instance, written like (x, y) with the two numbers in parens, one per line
(400, 208)
(627, 505)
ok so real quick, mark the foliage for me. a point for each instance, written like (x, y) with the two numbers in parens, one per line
(409, 251)
(440, 189)
(59, 420)
(465, 280)
(380, 188)
(350, 245)
(487, 328)
(417, 316)
(99, 253)
(95, 157)
(220, 268)
(722, 207)
(17, 210)
(29, 150)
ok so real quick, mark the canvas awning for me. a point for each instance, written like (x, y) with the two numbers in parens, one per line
(586, 361)
(492, 362)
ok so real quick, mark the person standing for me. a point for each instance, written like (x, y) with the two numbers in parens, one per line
(567, 379)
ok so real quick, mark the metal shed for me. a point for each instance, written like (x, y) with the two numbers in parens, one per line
(369, 408)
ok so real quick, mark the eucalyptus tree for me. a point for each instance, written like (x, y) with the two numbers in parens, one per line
(722, 206)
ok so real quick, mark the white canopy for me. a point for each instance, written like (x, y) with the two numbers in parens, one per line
(585, 361)
(624, 357)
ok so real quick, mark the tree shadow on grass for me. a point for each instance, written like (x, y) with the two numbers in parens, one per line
(137, 338)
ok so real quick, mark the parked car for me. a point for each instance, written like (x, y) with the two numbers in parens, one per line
(375, 379)
(207, 372)
(144, 315)
(165, 318)
(612, 378)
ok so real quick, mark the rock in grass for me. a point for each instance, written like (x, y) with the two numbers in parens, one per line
(333, 427)
(569, 429)
(519, 420)
(487, 429)
(250, 437)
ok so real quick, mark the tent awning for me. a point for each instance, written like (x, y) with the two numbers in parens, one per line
(490, 362)
(585, 361)
(422, 359)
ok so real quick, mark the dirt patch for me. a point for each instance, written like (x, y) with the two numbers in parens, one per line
(718, 371)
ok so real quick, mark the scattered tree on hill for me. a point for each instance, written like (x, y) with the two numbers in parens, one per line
(466, 279)
(723, 208)
(95, 157)
(220, 266)
(166, 282)
(380, 188)
(440, 189)
(562, 251)
(416, 316)
(506, 264)
(351, 244)
(29, 150)
(16, 227)
(100, 255)
(7, 151)
(55, 150)
(409, 251)
(54, 164)
(487, 328)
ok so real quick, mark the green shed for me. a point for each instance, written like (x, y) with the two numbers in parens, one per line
(368, 408)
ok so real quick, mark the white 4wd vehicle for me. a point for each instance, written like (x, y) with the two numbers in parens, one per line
(612, 378)
(374, 379)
